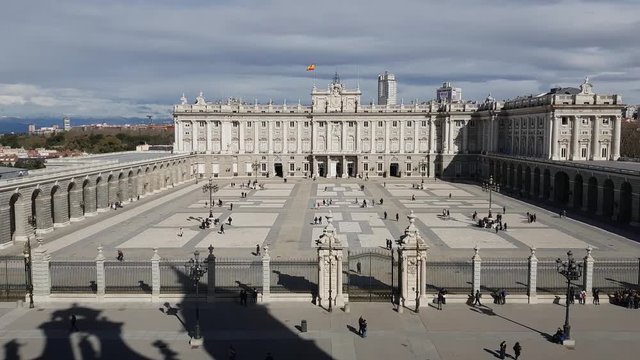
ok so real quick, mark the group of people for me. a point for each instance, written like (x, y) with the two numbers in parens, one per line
(362, 327)
(500, 297)
(628, 298)
(386, 215)
(317, 220)
(580, 295)
(517, 350)
(441, 298)
(244, 296)
(116, 205)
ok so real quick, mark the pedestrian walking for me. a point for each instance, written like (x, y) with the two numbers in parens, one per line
(257, 249)
(358, 267)
(504, 209)
(397, 217)
(362, 327)
(449, 195)
(231, 207)
(505, 226)
(385, 215)
(517, 349)
(73, 327)
(229, 220)
(413, 198)
(222, 229)
(180, 232)
(596, 296)
(440, 300)
(476, 298)
(120, 255)
(503, 296)
(583, 297)
(503, 350)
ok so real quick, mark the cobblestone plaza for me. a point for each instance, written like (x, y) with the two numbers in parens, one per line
(281, 215)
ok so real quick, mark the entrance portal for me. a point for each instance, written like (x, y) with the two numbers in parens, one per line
(339, 169)
(393, 170)
(278, 168)
(350, 171)
(321, 170)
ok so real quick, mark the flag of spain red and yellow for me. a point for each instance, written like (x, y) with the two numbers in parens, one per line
(311, 67)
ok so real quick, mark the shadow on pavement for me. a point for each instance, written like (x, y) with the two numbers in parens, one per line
(11, 350)
(489, 311)
(493, 352)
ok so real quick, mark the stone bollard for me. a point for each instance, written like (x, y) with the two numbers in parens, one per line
(100, 277)
(155, 276)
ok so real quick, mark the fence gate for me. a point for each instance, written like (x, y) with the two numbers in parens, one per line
(13, 278)
(372, 275)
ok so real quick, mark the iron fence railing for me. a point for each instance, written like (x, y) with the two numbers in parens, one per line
(511, 275)
(294, 276)
(616, 274)
(127, 277)
(454, 276)
(234, 275)
(548, 280)
(174, 278)
(13, 284)
(75, 277)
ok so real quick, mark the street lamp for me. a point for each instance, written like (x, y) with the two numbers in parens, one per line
(417, 276)
(196, 270)
(255, 166)
(330, 272)
(27, 271)
(571, 271)
(422, 168)
(211, 189)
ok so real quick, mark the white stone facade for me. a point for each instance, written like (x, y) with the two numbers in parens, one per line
(339, 136)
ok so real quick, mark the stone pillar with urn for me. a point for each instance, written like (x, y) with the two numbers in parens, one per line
(330, 267)
(413, 270)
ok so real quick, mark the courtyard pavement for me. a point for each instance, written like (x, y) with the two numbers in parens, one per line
(159, 331)
(281, 215)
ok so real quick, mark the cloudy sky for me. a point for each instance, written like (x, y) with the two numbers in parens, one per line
(137, 57)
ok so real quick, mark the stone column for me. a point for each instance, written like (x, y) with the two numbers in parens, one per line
(615, 146)
(100, 277)
(554, 138)
(44, 222)
(285, 144)
(5, 225)
(616, 204)
(416, 143)
(60, 208)
(358, 148)
(585, 195)
(477, 266)
(387, 135)
(432, 137)
(595, 139)
(329, 257)
(207, 137)
(256, 138)
(89, 198)
(575, 149)
(635, 215)
(533, 277)
(75, 205)
(599, 210)
(587, 276)
(270, 137)
(41, 274)
(413, 257)
(22, 227)
(344, 167)
(343, 148)
(465, 138)
(402, 124)
(266, 274)
(211, 275)
(102, 196)
(155, 276)
(241, 136)
(445, 136)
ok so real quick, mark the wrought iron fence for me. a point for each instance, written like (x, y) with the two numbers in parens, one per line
(294, 276)
(370, 275)
(549, 280)
(454, 276)
(73, 277)
(174, 278)
(13, 285)
(127, 277)
(509, 274)
(612, 275)
(233, 275)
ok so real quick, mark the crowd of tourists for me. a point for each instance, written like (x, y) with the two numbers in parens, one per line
(628, 298)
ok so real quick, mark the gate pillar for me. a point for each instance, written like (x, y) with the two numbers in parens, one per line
(413, 270)
(330, 267)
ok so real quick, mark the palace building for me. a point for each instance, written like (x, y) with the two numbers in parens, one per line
(339, 136)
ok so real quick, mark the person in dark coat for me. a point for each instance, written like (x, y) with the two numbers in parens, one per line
(517, 349)
(476, 298)
(74, 326)
(503, 350)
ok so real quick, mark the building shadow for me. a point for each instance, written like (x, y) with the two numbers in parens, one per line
(486, 310)
(12, 350)
(295, 284)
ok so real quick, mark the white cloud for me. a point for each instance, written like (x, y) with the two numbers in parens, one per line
(128, 57)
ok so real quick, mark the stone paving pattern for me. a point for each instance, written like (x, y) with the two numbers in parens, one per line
(281, 216)
(145, 331)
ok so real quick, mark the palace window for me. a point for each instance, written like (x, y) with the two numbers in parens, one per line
(201, 123)
(379, 166)
(306, 166)
(409, 123)
(394, 124)
(216, 123)
(605, 121)
(380, 124)
(292, 124)
(365, 124)
(249, 124)
(277, 124)
(603, 152)
(424, 124)
(563, 152)
(352, 123)
(264, 124)
(234, 123)
(585, 121)
(306, 124)
(565, 120)
(292, 167)
(583, 152)
(365, 166)
(408, 167)
(321, 124)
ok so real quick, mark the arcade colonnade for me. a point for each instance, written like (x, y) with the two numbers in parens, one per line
(609, 194)
(41, 204)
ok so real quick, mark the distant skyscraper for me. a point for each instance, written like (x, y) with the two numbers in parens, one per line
(387, 89)
(32, 129)
(448, 93)
(66, 124)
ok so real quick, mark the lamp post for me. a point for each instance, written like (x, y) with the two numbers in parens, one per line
(196, 270)
(422, 168)
(27, 271)
(330, 274)
(571, 270)
(211, 189)
(417, 276)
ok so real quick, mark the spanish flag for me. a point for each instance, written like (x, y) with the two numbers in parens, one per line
(311, 67)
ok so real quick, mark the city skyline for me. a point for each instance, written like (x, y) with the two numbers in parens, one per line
(71, 58)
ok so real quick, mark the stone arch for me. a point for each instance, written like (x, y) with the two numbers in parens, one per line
(145, 181)
(121, 194)
(112, 189)
(626, 203)
(73, 204)
(536, 182)
(35, 211)
(527, 180)
(54, 190)
(131, 190)
(577, 191)
(592, 195)
(512, 176)
(102, 193)
(86, 204)
(18, 218)
(607, 198)
(546, 184)
(561, 188)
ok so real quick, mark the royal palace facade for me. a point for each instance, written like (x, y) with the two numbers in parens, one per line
(339, 136)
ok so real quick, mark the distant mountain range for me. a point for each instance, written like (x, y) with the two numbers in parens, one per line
(10, 125)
